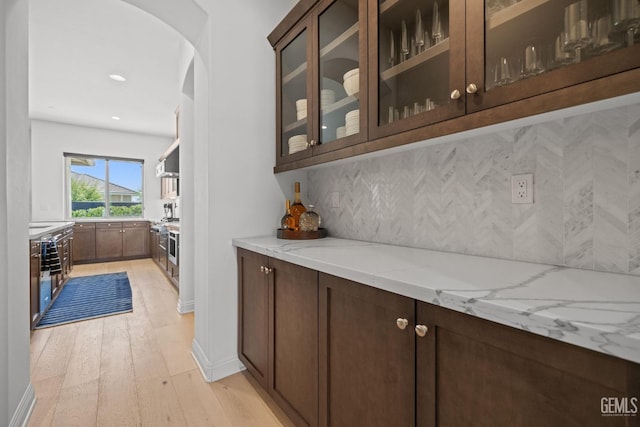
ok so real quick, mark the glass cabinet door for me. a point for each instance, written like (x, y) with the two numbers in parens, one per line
(420, 62)
(341, 92)
(294, 124)
(536, 46)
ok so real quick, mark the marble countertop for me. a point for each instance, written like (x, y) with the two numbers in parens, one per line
(40, 229)
(595, 310)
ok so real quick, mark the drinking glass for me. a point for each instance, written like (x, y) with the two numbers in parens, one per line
(576, 28)
(560, 56)
(532, 60)
(626, 19)
(503, 71)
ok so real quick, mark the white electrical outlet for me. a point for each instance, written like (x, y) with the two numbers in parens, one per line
(522, 188)
(335, 199)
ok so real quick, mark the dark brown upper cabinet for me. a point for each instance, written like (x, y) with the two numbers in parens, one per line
(429, 68)
(318, 110)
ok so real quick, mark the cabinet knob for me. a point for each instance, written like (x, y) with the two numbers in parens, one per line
(267, 270)
(402, 323)
(421, 330)
(455, 94)
(313, 143)
(36, 255)
(472, 88)
(262, 268)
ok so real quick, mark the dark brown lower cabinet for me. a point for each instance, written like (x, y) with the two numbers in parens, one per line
(366, 362)
(84, 242)
(339, 353)
(293, 340)
(253, 316)
(472, 371)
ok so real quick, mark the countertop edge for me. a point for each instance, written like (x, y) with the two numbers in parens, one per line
(40, 232)
(618, 343)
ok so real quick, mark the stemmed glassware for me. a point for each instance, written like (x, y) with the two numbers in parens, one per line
(404, 42)
(419, 32)
(436, 28)
(392, 49)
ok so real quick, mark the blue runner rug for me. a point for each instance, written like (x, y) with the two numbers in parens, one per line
(84, 298)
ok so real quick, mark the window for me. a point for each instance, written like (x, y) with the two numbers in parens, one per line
(104, 186)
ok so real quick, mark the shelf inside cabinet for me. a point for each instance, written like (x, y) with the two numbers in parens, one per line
(299, 124)
(512, 12)
(387, 5)
(340, 40)
(295, 73)
(344, 102)
(410, 63)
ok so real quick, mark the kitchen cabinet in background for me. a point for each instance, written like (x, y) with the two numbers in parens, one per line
(34, 281)
(110, 241)
(84, 242)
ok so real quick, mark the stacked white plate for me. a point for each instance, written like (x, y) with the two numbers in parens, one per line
(297, 143)
(352, 122)
(351, 81)
(341, 132)
(301, 108)
(327, 97)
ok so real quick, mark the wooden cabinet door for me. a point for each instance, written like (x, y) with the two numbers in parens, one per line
(153, 244)
(488, 374)
(34, 281)
(253, 314)
(135, 240)
(108, 243)
(367, 364)
(84, 243)
(293, 335)
(517, 52)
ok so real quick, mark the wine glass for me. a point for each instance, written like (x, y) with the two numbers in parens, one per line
(436, 27)
(419, 32)
(404, 42)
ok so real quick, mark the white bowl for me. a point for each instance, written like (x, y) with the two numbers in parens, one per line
(350, 130)
(301, 104)
(352, 81)
(352, 115)
(341, 132)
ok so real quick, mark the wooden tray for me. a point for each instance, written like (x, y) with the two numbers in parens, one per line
(301, 235)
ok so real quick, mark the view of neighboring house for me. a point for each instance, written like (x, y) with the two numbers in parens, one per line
(117, 193)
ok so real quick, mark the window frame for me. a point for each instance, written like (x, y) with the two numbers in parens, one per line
(107, 201)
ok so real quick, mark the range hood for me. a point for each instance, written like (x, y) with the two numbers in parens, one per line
(169, 165)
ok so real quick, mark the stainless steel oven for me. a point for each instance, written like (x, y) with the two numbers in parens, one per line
(174, 247)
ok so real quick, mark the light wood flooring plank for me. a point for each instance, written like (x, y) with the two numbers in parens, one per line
(159, 403)
(54, 358)
(39, 338)
(84, 363)
(242, 405)
(77, 405)
(117, 399)
(47, 393)
(199, 403)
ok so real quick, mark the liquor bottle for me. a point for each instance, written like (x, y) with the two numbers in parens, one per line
(297, 208)
(287, 222)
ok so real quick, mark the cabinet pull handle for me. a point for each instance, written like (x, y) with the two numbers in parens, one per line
(421, 330)
(35, 256)
(455, 94)
(402, 323)
(472, 88)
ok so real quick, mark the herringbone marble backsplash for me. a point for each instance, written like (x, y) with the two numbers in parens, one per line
(456, 196)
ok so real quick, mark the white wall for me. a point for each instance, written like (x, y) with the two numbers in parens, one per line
(49, 140)
(16, 393)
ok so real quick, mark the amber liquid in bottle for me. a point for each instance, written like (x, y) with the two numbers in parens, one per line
(297, 208)
(287, 222)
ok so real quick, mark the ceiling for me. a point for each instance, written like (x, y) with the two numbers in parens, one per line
(74, 45)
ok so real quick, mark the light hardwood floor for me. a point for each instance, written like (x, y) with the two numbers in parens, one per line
(136, 369)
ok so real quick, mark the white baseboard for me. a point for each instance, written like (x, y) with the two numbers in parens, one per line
(214, 371)
(25, 407)
(186, 306)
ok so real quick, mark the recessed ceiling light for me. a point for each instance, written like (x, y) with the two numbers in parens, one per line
(115, 118)
(117, 77)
